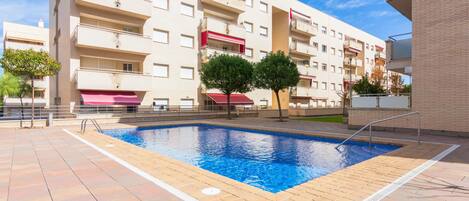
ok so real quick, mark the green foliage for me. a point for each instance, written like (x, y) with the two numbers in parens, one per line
(407, 89)
(9, 85)
(29, 63)
(229, 74)
(327, 119)
(276, 72)
(364, 86)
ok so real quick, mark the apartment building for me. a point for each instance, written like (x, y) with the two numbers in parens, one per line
(150, 52)
(24, 37)
(436, 55)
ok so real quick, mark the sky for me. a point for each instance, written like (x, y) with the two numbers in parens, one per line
(373, 16)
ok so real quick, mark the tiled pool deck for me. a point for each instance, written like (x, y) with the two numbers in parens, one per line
(49, 164)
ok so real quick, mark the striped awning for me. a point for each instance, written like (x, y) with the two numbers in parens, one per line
(225, 38)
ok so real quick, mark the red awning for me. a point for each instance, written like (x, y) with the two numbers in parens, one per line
(307, 77)
(225, 38)
(236, 99)
(109, 98)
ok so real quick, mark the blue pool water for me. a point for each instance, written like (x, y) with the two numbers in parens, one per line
(268, 160)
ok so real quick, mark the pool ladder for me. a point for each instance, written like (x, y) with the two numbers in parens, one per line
(370, 126)
(93, 121)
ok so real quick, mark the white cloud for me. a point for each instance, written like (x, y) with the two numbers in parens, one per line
(348, 4)
(381, 13)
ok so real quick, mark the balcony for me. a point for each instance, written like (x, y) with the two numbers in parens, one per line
(302, 48)
(354, 62)
(209, 52)
(354, 77)
(89, 36)
(236, 6)
(354, 46)
(112, 80)
(304, 27)
(223, 27)
(134, 8)
(380, 55)
(403, 6)
(399, 54)
(41, 83)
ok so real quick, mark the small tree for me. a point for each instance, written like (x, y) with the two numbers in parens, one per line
(377, 76)
(229, 74)
(29, 64)
(9, 86)
(396, 83)
(364, 86)
(276, 72)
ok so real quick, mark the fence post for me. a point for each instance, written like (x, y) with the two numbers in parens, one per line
(50, 120)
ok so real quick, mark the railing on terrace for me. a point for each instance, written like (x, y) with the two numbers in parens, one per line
(87, 111)
(401, 101)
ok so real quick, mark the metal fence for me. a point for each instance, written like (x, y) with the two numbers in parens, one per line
(88, 111)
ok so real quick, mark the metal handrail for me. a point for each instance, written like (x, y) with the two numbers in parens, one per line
(93, 121)
(383, 120)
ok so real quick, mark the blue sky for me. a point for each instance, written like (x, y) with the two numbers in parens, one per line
(373, 16)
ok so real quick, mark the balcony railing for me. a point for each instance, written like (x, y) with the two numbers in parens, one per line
(223, 27)
(302, 48)
(236, 6)
(210, 52)
(399, 53)
(304, 27)
(352, 44)
(90, 36)
(354, 62)
(135, 8)
(380, 55)
(99, 79)
(354, 77)
(382, 101)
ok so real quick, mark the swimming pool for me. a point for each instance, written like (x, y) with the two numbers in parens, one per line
(271, 161)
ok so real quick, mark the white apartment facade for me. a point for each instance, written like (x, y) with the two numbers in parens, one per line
(150, 52)
(24, 37)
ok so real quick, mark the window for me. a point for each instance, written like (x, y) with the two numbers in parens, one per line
(248, 52)
(324, 67)
(163, 4)
(333, 33)
(264, 103)
(248, 3)
(341, 36)
(249, 27)
(333, 68)
(324, 86)
(341, 53)
(339, 103)
(315, 45)
(324, 30)
(315, 84)
(367, 46)
(187, 41)
(367, 60)
(315, 65)
(160, 104)
(315, 26)
(333, 86)
(332, 51)
(160, 36)
(187, 9)
(332, 103)
(340, 87)
(263, 54)
(127, 67)
(160, 70)
(324, 48)
(186, 103)
(187, 73)
(264, 31)
(341, 70)
(264, 7)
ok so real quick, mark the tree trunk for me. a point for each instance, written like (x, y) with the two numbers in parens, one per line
(22, 112)
(32, 102)
(280, 117)
(229, 105)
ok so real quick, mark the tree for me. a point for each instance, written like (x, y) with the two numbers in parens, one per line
(9, 86)
(407, 89)
(276, 72)
(29, 64)
(364, 86)
(377, 76)
(396, 83)
(229, 74)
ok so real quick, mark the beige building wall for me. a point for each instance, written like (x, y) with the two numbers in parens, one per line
(440, 61)
(76, 46)
(24, 37)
